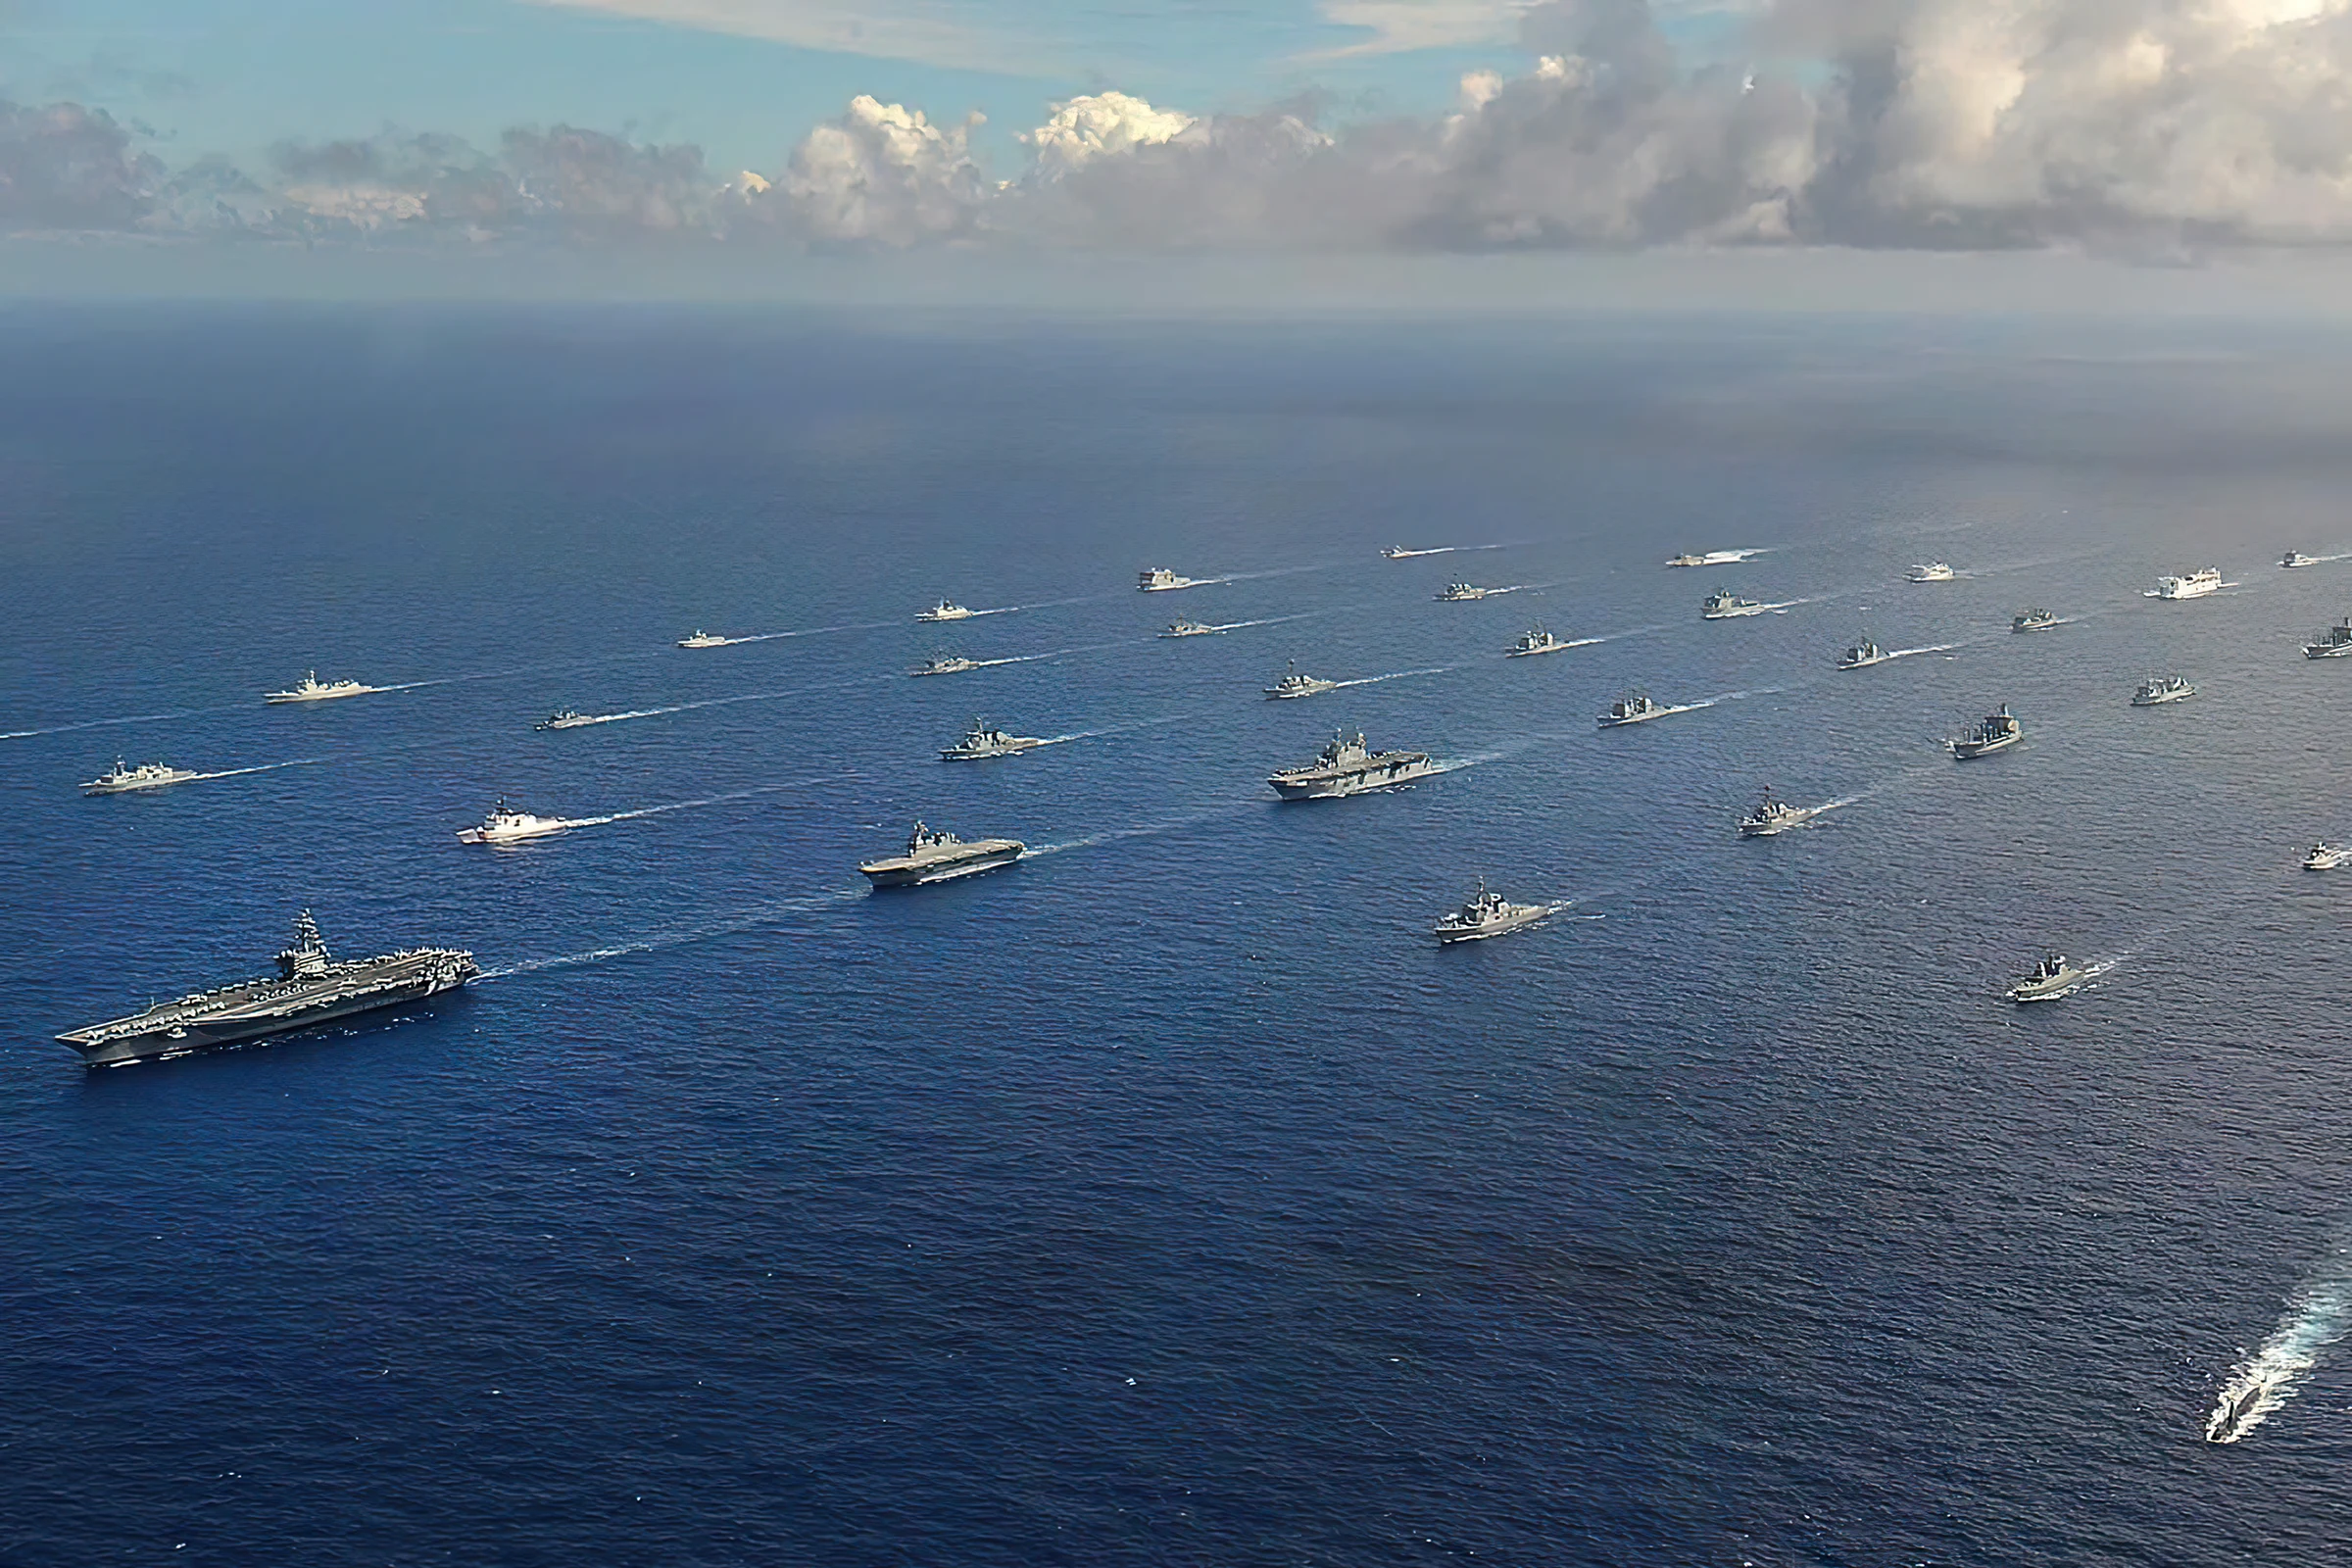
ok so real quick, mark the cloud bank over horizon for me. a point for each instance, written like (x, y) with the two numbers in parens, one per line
(2156, 126)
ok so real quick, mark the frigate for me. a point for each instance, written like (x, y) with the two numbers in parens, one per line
(1487, 913)
(2053, 977)
(2035, 619)
(1862, 655)
(1462, 593)
(310, 689)
(1635, 709)
(932, 856)
(1160, 580)
(703, 639)
(1188, 629)
(1724, 605)
(944, 610)
(2161, 689)
(1347, 766)
(310, 987)
(945, 665)
(1775, 816)
(566, 718)
(118, 779)
(985, 740)
(1535, 640)
(1294, 684)
(1932, 572)
(503, 824)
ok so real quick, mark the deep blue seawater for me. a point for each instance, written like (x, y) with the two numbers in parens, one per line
(1171, 1198)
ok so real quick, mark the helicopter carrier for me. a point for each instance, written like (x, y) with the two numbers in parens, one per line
(310, 987)
(1347, 766)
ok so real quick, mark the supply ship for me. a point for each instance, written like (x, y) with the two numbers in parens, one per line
(1991, 733)
(310, 987)
(1347, 766)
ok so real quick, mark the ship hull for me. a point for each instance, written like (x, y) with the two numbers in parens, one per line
(1363, 782)
(2051, 991)
(2158, 702)
(915, 876)
(1741, 613)
(1288, 697)
(1967, 750)
(1447, 936)
(953, 756)
(2327, 649)
(310, 697)
(193, 1034)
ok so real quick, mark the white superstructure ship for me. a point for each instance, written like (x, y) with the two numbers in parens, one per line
(2195, 585)
(2053, 977)
(1724, 605)
(932, 856)
(1347, 766)
(1932, 572)
(1487, 913)
(703, 639)
(1862, 655)
(503, 824)
(2327, 857)
(119, 779)
(1160, 580)
(1293, 684)
(944, 610)
(1535, 640)
(2161, 689)
(2296, 558)
(945, 665)
(984, 740)
(310, 689)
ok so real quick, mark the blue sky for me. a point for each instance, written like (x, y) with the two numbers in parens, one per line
(738, 77)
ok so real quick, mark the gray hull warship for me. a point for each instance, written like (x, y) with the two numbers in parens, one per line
(310, 988)
(932, 856)
(1347, 766)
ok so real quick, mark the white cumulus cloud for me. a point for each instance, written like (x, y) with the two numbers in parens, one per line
(884, 173)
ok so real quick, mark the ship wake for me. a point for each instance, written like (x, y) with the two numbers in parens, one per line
(697, 804)
(1394, 674)
(2316, 1317)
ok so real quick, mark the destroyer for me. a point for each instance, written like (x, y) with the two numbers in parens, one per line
(944, 610)
(1535, 640)
(2334, 643)
(1457, 593)
(505, 825)
(1635, 709)
(1995, 731)
(2296, 558)
(310, 689)
(1294, 684)
(310, 987)
(1932, 572)
(2033, 620)
(2197, 585)
(945, 665)
(1773, 816)
(2161, 689)
(566, 718)
(940, 858)
(147, 776)
(1160, 580)
(986, 740)
(1188, 629)
(1487, 913)
(703, 639)
(2053, 977)
(2327, 857)
(1724, 605)
(1346, 766)
(1863, 654)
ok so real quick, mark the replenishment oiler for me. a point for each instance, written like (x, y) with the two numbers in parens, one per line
(308, 988)
(1347, 766)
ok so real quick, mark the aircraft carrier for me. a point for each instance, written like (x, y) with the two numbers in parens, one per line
(310, 987)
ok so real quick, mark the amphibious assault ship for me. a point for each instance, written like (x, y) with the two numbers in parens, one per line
(1347, 766)
(940, 858)
(310, 987)
(146, 776)
(310, 689)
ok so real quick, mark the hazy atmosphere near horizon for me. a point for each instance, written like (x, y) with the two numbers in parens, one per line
(1307, 782)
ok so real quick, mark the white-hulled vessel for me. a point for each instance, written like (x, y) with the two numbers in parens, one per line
(1487, 913)
(1687, 559)
(1994, 732)
(2296, 558)
(2053, 977)
(945, 665)
(2334, 643)
(1932, 572)
(1403, 552)
(1535, 640)
(566, 718)
(505, 825)
(1347, 766)
(1635, 709)
(2327, 857)
(1188, 629)
(1724, 605)
(1863, 654)
(703, 639)
(940, 858)
(118, 779)
(984, 740)
(1775, 816)
(2195, 585)
(310, 689)
(1458, 593)
(1160, 580)
(2034, 619)
(944, 610)
(2161, 689)
(1293, 684)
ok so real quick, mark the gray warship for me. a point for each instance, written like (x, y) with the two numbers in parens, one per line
(310, 987)
(934, 857)
(1994, 732)
(1347, 766)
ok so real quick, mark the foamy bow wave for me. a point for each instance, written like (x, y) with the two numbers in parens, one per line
(2316, 1317)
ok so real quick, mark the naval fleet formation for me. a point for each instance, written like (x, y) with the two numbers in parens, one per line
(311, 987)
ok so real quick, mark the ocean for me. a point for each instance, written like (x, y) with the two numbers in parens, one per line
(1173, 1197)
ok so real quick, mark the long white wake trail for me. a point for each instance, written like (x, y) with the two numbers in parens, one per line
(1395, 674)
(2316, 1317)
(696, 805)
